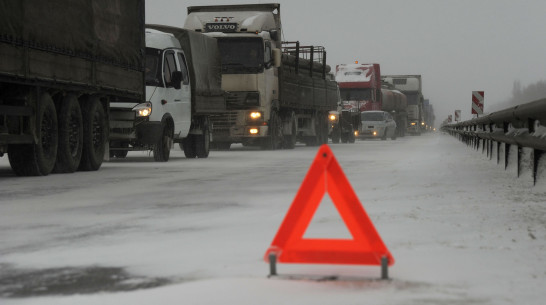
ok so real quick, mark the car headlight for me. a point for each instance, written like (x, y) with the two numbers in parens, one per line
(143, 110)
(332, 117)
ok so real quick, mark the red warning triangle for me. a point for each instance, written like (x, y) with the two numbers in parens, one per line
(325, 175)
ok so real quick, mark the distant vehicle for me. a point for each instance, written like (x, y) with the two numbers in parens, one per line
(377, 124)
(361, 89)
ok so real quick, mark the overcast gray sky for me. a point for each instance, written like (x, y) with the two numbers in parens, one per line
(457, 46)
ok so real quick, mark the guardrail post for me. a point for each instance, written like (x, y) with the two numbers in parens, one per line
(498, 151)
(506, 155)
(536, 158)
(520, 152)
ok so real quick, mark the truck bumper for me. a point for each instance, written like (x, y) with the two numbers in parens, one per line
(138, 131)
(148, 133)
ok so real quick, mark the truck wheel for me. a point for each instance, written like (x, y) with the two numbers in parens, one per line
(38, 159)
(274, 139)
(344, 137)
(323, 128)
(188, 146)
(95, 134)
(290, 140)
(351, 138)
(69, 152)
(162, 149)
(202, 141)
(336, 134)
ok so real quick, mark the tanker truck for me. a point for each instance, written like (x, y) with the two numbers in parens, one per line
(277, 93)
(361, 90)
(61, 63)
(411, 86)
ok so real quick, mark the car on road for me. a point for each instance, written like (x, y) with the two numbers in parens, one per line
(377, 124)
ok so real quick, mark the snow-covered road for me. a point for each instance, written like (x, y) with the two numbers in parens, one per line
(461, 229)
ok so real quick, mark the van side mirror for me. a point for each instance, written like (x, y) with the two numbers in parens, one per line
(176, 79)
(277, 57)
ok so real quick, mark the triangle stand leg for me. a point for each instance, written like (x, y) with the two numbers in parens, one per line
(272, 264)
(384, 267)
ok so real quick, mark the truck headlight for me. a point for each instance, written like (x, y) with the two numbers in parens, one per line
(143, 110)
(255, 115)
(253, 131)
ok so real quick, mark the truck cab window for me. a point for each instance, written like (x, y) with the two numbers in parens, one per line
(241, 55)
(183, 68)
(169, 66)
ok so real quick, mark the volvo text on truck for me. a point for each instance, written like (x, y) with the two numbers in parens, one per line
(183, 87)
(277, 93)
(61, 63)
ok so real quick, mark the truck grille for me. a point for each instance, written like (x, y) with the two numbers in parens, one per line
(223, 121)
(242, 100)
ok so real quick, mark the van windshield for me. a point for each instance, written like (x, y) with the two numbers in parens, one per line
(241, 55)
(153, 67)
(371, 116)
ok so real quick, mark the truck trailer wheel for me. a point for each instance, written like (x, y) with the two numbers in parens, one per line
(70, 147)
(38, 159)
(290, 140)
(202, 141)
(336, 134)
(352, 137)
(188, 146)
(95, 134)
(162, 149)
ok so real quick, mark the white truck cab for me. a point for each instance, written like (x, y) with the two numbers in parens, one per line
(166, 116)
(167, 81)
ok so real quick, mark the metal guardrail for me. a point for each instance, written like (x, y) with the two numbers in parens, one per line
(523, 125)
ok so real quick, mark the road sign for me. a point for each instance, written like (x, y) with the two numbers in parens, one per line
(477, 102)
(289, 246)
(457, 115)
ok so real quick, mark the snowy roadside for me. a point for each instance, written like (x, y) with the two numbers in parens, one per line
(461, 229)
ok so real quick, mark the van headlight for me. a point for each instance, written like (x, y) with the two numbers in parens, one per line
(143, 110)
